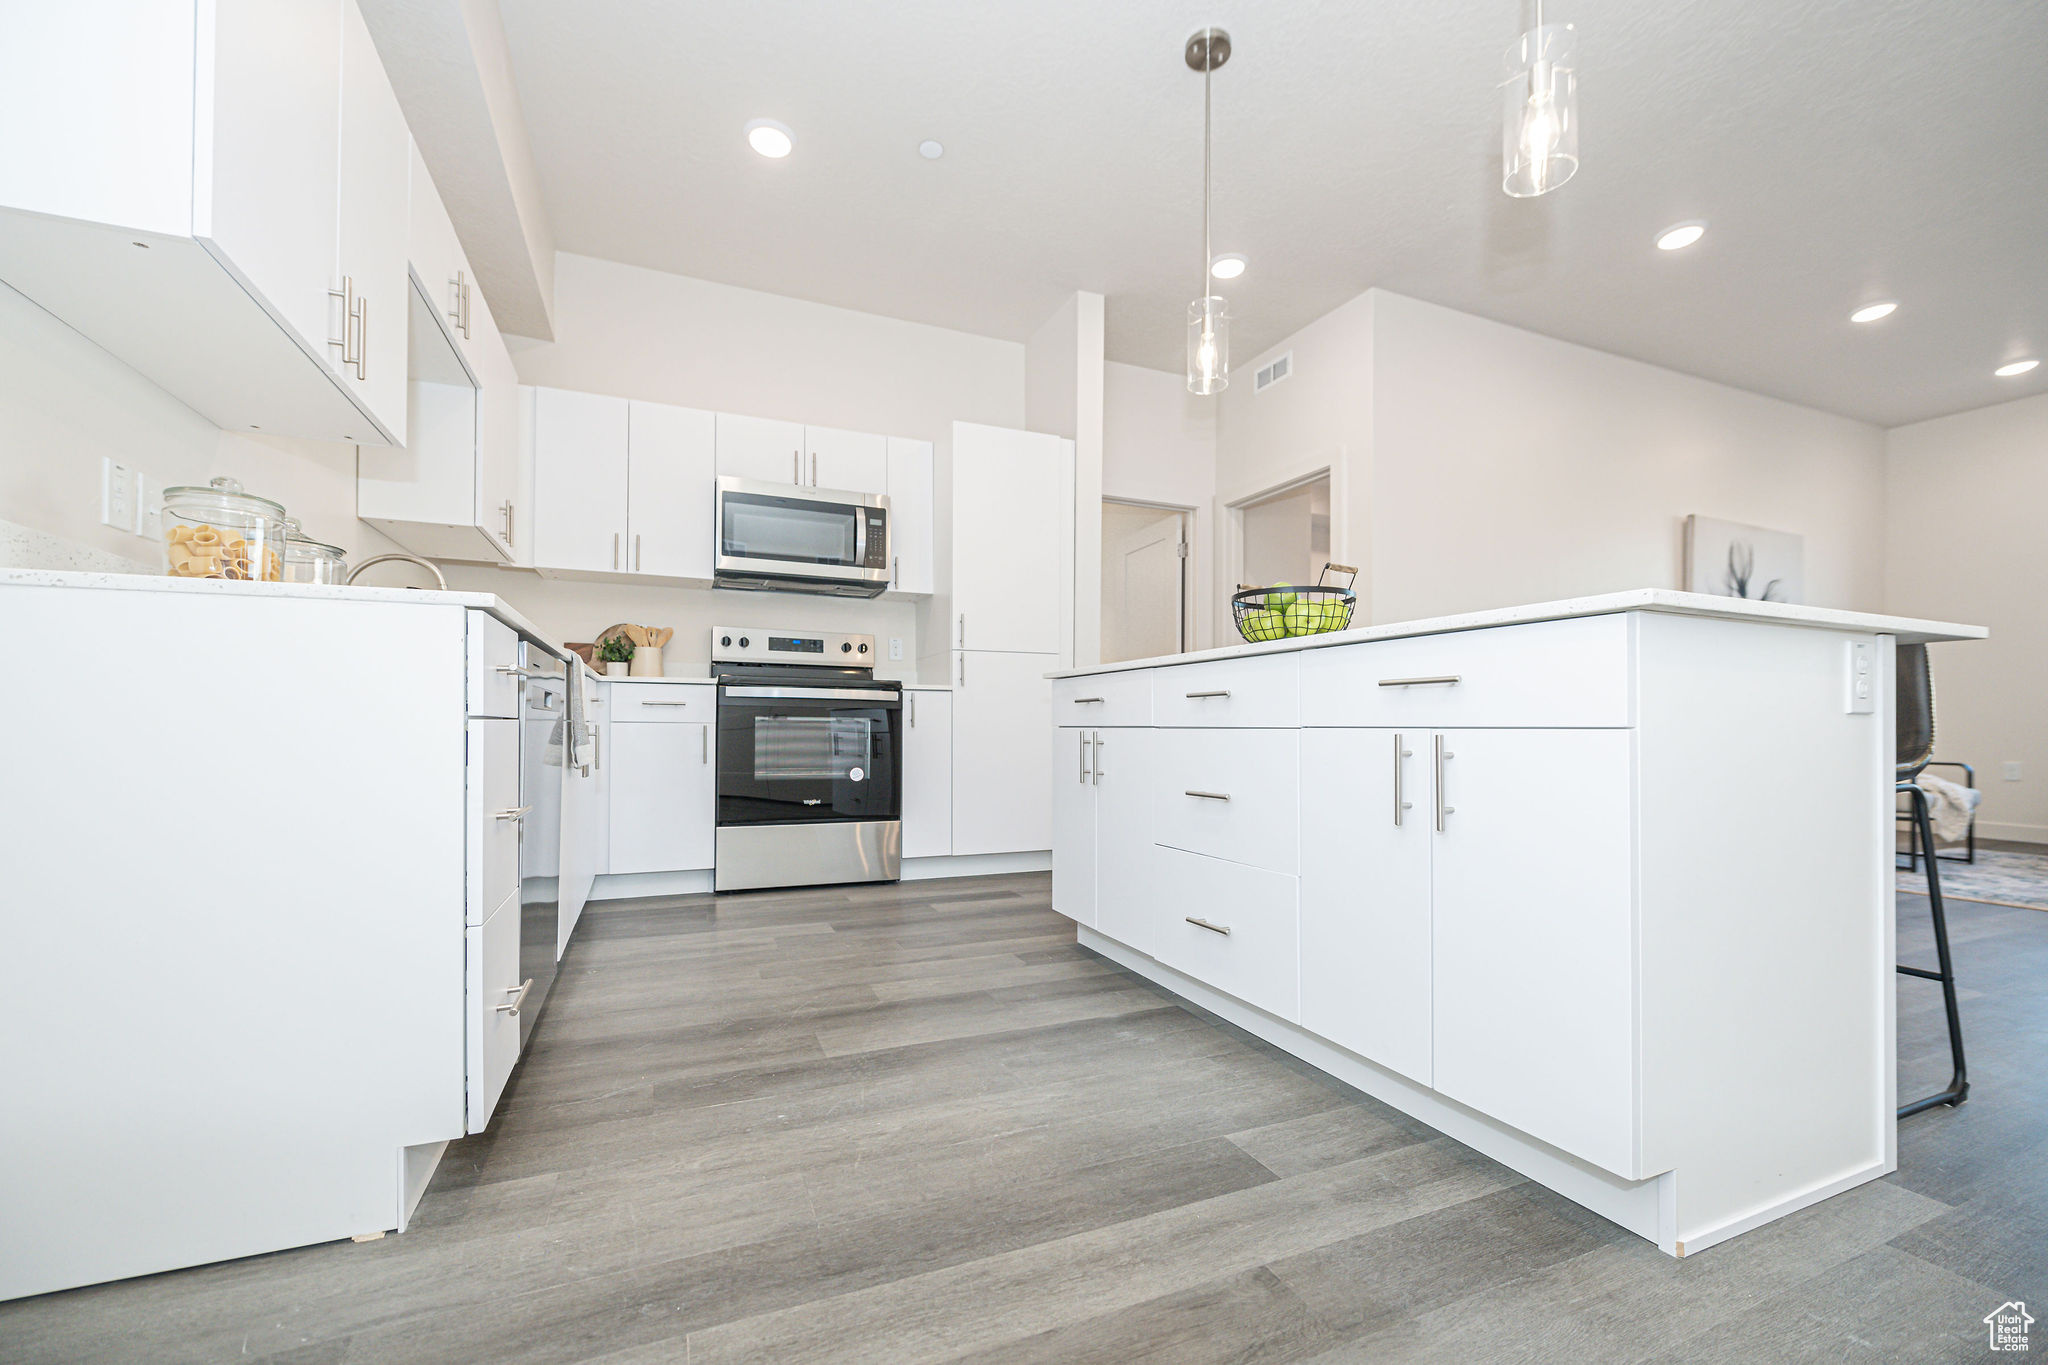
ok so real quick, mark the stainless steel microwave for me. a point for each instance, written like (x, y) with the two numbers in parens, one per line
(780, 537)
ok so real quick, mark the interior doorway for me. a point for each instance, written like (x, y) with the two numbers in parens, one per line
(1284, 537)
(1145, 587)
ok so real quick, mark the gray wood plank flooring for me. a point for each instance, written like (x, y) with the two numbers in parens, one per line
(918, 1123)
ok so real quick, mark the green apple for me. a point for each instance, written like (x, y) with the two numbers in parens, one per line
(1303, 618)
(1264, 625)
(1281, 601)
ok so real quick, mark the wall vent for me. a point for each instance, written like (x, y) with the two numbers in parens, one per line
(1273, 373)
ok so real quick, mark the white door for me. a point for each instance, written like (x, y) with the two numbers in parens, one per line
(375, 221)
(268, 206)
(663, 799)
(850, 460)
(1144, 568)
(1533, 936)
(1365, 898)
(1127, 879)
(1073, 825)
(670, 489)
(1002, 766)
(927, 774)
(910, 515)
(579, 480)
(761, 449)
(1008, 487)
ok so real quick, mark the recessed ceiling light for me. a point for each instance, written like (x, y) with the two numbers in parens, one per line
(1680, 235)
(769, 138)
(1871, 312)
(1228, 267)
(2016, 367)
(931, 149)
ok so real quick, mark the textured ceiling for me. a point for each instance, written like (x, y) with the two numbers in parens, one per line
(1842, 150)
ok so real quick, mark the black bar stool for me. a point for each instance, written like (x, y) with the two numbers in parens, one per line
(1915, 690)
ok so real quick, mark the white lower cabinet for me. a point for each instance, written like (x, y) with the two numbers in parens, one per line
(492, 993)
(1002, 768)
(1103, 871)
(927, 773)
(492, 835)
(1232, 927)
(1073, 825)
(663, 799)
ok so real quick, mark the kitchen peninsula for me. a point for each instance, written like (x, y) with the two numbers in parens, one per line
(1601, 888)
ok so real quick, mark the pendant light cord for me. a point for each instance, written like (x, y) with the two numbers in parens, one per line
(1208, 70)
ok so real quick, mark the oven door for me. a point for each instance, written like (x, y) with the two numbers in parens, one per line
(801, 755)
(772, 530)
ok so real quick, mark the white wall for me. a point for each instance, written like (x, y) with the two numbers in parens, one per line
(1964, 542)
(65, 404)
(640, 333)
(1159, 446)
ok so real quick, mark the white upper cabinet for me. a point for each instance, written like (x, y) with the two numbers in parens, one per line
(910, 515)
(497, 433)
(853, 461)
(669, 505)
(580, 476)
(187, 194)
(1012, 492)
(761, 449)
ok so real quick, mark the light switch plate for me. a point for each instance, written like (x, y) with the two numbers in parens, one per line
(1862, 677)
(149, 507)
(895, 649)
(2012, 770)
(117, 495)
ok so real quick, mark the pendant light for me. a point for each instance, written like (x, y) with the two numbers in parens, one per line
(1208, 320)
(1540, 113)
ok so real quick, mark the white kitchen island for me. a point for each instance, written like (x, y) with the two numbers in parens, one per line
(1601, 888)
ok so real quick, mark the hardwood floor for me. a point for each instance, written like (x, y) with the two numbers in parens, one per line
(918, 1123)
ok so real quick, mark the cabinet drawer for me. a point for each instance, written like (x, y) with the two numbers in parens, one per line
(1105, 699)
(493, 651)
(1250, 948)
(1549, 674)
(1232, 794)
(493, 832)
(492, 982)
(1260, 691)
(672, 702)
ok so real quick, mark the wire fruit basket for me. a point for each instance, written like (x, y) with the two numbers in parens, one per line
(1283, 611)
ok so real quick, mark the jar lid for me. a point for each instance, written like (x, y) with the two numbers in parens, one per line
(297, 541)
(224, 494)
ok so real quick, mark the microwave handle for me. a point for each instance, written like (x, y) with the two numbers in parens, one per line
(860, 537)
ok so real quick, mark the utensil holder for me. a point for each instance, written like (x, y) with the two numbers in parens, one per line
(647, 661)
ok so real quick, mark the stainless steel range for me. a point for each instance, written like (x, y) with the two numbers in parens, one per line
(810, 782)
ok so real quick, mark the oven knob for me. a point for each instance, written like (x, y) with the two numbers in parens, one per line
(863, 649)
(725, 642)
(744, 642)
(845, 648)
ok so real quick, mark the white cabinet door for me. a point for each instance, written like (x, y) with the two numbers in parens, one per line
(1533, 937)
(671, 463)
(430, 242)
(663, 797)
(374, 223)
(850, 460)
(266, 192)
(761, 449)
(1365, 897)
(1002, 766)
(1008, 493)
(579, 480)
(497, 433)
(491, 989)
(910, 515)
(927, 774)
(1126, 872)
(1074, 854)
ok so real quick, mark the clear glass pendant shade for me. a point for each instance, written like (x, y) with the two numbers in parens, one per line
(1540, 112)
(1208, 346)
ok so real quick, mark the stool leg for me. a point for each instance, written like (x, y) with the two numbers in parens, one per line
(1959, 1084)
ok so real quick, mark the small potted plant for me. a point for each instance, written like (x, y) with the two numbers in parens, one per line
(616, 653)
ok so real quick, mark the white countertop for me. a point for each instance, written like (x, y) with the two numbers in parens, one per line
(1907, 629)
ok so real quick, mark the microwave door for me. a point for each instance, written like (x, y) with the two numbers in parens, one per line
(769, 531)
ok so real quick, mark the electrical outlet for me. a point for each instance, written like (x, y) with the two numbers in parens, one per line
(1862, 679)
(895, 649)
(2012, 771)
(117, 495)
(149, 507)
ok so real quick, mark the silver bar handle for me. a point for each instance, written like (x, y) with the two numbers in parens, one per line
(910, 704)
(362, 337)
(1443, 681)
(1442, 810)
(1222, 929)
(1210, 796)
(615, 549)
(506, 508)
(1400, 752)
(814, 469)
(796, 467)
(963, 630)
(963, 668)
(516, 813)
(895, 569)
(668, 703)
(513, 670)
(704, 734)
(1086, 701)
(636, 552)
(518, 994)
(1097, 746)
(1197, 696)
(1081, 748)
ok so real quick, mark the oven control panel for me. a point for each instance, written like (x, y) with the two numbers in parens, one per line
(781, 645)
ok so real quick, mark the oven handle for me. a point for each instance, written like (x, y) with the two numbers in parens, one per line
(817, 694)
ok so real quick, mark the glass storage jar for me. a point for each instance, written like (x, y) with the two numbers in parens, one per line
(310, 561)
(218, 531)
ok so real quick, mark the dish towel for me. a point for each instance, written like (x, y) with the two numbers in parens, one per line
(1949, 807)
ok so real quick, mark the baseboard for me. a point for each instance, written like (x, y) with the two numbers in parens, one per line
(975, 865)
(634, 885)
(2019, 834)
(1699, 1241)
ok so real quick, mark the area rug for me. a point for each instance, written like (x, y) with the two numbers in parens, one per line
(2017, 879)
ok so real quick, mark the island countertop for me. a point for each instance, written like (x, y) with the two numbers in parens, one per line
(1666, 600)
